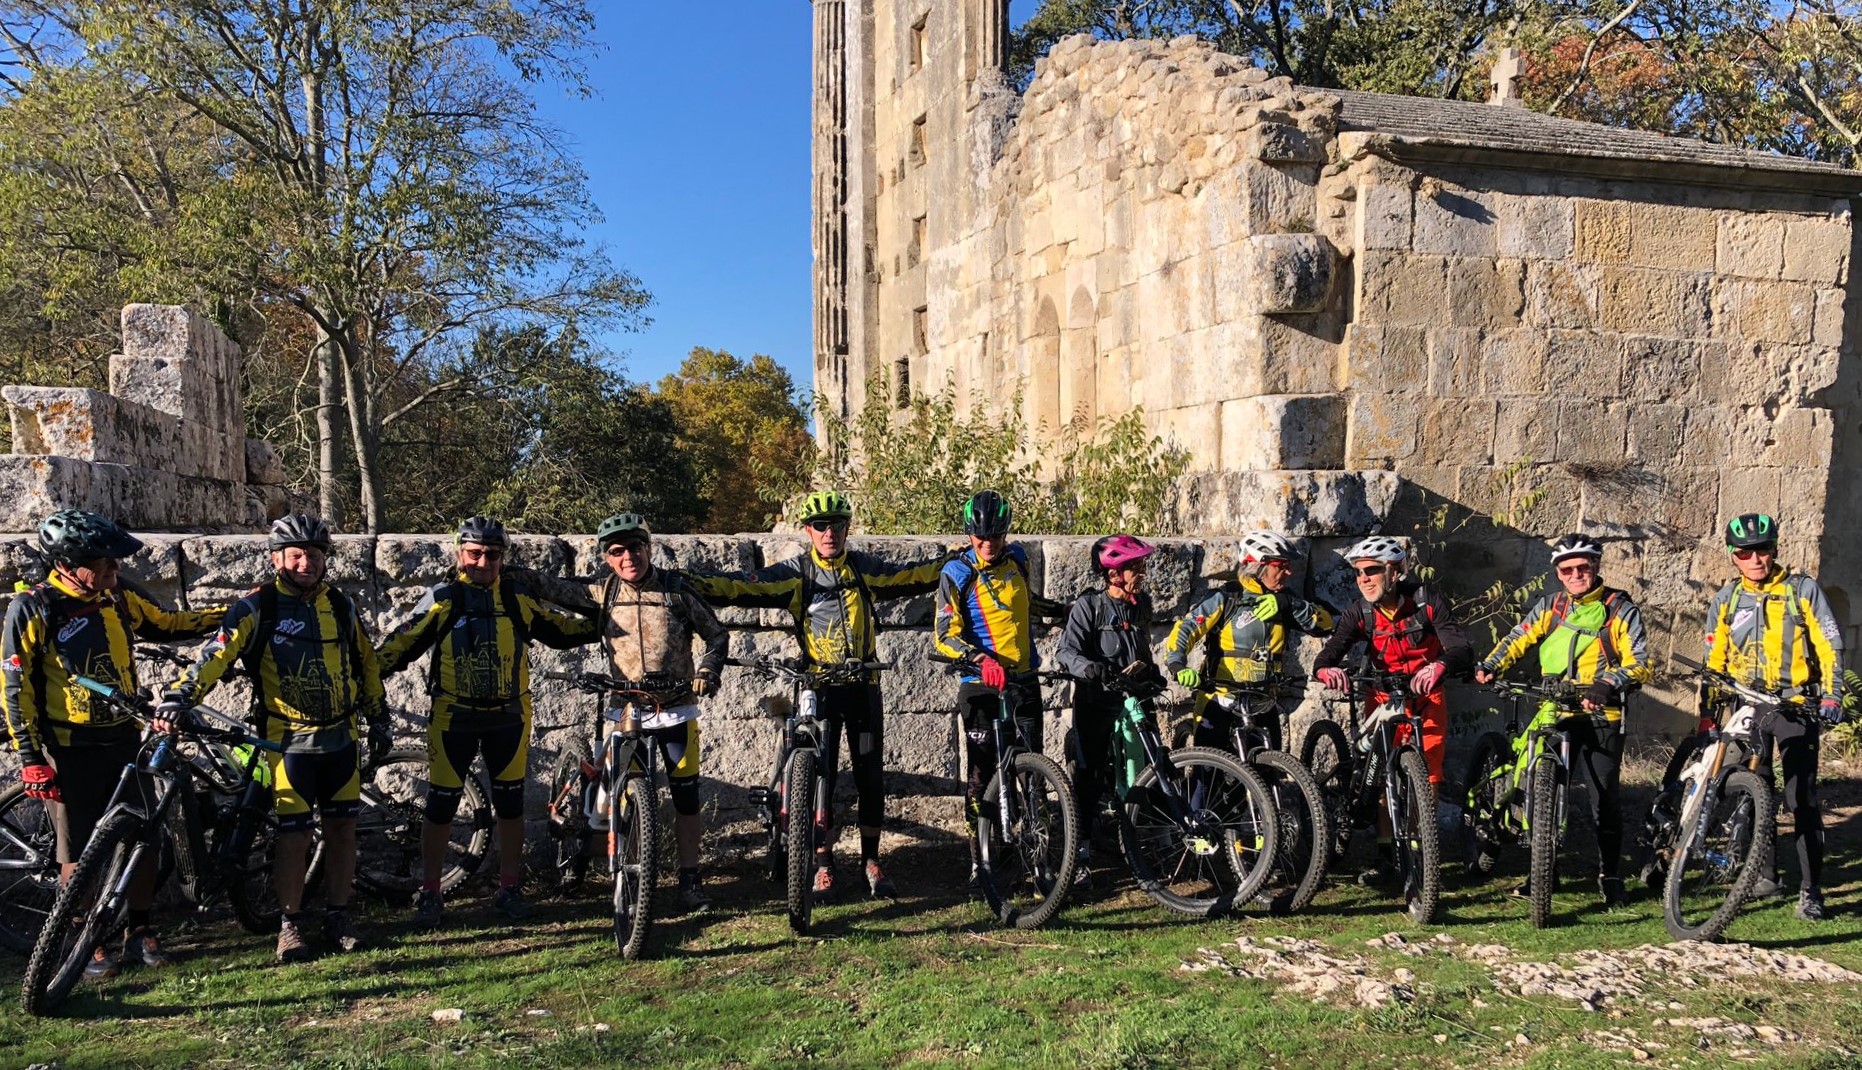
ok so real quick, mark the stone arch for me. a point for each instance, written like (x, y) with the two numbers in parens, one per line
(1079, 358)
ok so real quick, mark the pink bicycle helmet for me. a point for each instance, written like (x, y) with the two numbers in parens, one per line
(1117, 551)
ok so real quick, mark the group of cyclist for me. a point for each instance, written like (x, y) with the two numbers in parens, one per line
(318, 692)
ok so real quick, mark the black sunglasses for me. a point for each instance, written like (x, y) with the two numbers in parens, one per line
(1372, 570)
(826, 525)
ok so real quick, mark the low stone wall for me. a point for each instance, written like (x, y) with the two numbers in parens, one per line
(386, 576)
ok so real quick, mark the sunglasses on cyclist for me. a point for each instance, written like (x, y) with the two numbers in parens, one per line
(1747, 553)
(1582, 569)
(638, 549)
(826, 525)
(1277, 562)
(1371, 570)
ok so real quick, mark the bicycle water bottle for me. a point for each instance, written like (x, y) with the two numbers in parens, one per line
(811, 702)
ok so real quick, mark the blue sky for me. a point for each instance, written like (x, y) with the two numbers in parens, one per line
(696, 148)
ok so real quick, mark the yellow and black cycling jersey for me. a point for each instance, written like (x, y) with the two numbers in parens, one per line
(479, 674)
(1244, 630)
(1595, 637)
(53, 632)
(1777, 634)
(831, 602)
(312, 667)
(990, 608)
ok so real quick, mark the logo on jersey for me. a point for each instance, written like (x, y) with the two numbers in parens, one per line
(1742, 618)
(290, 627)
(13, 662)
(72, 628)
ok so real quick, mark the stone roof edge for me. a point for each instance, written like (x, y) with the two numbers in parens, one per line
(1752, 172)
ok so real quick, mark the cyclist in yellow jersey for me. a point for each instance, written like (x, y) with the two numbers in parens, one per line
(83, 620)
(1772, 628)
(314, 674)
(830, 592)
(1592, 636)
(479, 626)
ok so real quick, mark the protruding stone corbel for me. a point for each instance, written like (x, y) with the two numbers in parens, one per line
(1288, 273)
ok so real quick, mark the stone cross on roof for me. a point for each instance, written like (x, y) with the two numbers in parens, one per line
(1504, 79)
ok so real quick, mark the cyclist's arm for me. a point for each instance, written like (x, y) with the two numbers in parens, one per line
(1191, 630)
(888, 583)
(151, 621)
(577, 594)
(775, 587)
(554, 627)
(950, 638)
(1079, 645)
(235, 634)
(1630, 640)
(707, 627)
(23, 633)
(1825, 639)
(1045, 608)
(416, 635)
(1313, 618)
(369, 690)
(1528, 633)
(1349, 630)
(1719, 629)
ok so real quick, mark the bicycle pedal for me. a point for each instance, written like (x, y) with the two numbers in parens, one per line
(763, 797)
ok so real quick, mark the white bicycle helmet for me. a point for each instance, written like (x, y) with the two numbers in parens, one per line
(1575, 545)
(1377, 548)
(1266, 545)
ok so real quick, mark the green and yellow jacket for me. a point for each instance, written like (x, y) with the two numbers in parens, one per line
(1244, 630)
(1595, 637)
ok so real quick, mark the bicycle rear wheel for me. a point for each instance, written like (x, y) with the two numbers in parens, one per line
(1027, 868)
(88, 911)
(633, 863)
(1301, 832)
(1718, 861)
(1543, 878)
(568, 824)
(28, 868)
(388, 824)
(1420, 844)
(253, 890)
(1328, 757)
(1218, 851)
(798, 815)
(1489, 793)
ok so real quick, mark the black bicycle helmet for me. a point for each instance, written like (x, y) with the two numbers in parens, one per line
(484, 530)
(986, 515)
(1749, 530)
(74, 537)
(301, 529)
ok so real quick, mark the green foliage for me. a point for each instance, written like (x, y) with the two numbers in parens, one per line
(1498, 605)
(910, 471)
(1845, 740)
(737, 420)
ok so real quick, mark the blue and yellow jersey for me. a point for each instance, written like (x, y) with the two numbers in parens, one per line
(53, 632)
(1777, 635)
(1595, 637)
(313, 669)
(1245, 630)
(831, 602)
(990, 608)
(479, 675)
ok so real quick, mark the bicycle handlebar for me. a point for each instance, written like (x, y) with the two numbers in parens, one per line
(598, 683)
(794, 669)
(144, 711)
(1721, 680)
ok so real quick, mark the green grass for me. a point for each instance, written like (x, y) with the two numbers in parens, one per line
(927, 981)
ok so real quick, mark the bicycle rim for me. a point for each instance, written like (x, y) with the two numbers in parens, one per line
(1211, 847)
(1027, 868)
(1327, 756)
(1717, 864)
(568, 825)
(1420, 844)
(392, 813)
(633, 847)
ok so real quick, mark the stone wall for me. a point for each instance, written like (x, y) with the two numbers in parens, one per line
(165, 449)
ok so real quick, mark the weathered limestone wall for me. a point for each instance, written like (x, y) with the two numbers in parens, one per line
(165, 449)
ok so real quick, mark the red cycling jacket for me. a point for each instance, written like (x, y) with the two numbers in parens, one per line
(1421, 631)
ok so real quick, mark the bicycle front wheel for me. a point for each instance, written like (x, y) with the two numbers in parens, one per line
(1544, 840)
(28, 868)
(1420, 854)
(88, 911)
(798, 815)
(633, 863)
(568, 824)
(1302, 832)
(1328, 757)
(1027, 865)
(1490, 790)
(1206, 840)
(389, 821)
(253, 890)
(1718, 860)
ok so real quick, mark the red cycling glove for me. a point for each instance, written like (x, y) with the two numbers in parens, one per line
(41, 782)
(992, 672)
(1428, 678)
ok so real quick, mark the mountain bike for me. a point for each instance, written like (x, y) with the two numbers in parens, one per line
(1713, 824)
(1380, 769)
(1026, 826)
(1197, 826)
(794, 807)
(1258, 712)
(160, 816)
(1518, 785)
(604, 783)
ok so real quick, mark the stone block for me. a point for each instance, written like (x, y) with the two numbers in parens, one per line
(1384, 216)
(1604, 231)
(1455, 362)
(1773, 311)
(89, 425)
(1486, 293)
(1402, 289)
(1386, 358)
(1797, 437)
(1750, 245)
(1830, 321)
(1535, 228)
(1293, 503)
(1591, 433)
(1382, 429)
(176, 361)
(1817, 250)
(1657, 434)
(1455, 432)
(1454, 222)
(1750, 490)
(1673, 238)
(1659, 369)
(1196, 428)
(1525, 430)
(1283, 143)
(263, 465)
(1561, 294)
(1513, 361)
(1283, 432)
(1725, 372)
(1502, 492)
(1282, 197)
(1288, 272)
(1642, 301)
(1297, 356)
(1584, 362)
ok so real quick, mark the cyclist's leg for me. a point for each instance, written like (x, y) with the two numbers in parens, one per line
(1433, 710)
(1028, 715)
(836, 703)
(977, 705)
(679, 750)
(449, 755)
(87, 777)
(1214, 725)
(339, 799)
(291, 856)
(866, 743)
(1093, 721)
(1597, 756)
(1798, 741)
(507, 759)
